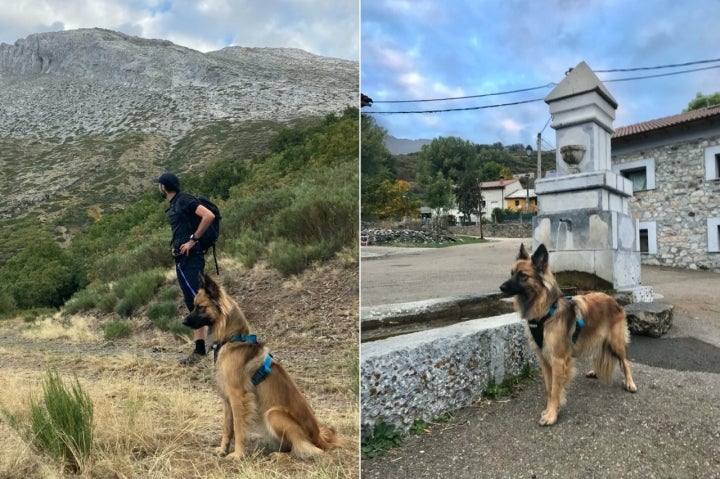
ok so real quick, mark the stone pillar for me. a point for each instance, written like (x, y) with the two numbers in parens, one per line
(583, 212)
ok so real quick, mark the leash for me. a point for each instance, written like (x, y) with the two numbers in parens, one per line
(263, 371)
(537, 325)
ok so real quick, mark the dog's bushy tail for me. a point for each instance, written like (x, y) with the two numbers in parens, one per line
(329, 438)
(604, 363)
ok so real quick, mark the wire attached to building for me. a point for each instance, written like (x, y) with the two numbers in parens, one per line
(548, 85)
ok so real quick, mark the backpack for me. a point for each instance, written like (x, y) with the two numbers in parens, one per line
(210, 237)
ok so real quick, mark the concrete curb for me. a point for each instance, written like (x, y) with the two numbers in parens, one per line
(423, 375)
(376, 321)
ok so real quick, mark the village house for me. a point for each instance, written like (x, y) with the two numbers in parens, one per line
(674, 165)
(495, 194)
(522, 201)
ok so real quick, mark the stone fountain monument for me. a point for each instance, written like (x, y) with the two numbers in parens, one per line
(583, 212)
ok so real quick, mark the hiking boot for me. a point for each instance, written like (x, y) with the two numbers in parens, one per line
(192, 360)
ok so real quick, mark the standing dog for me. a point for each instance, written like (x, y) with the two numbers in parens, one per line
(255, 389)
(562, 328)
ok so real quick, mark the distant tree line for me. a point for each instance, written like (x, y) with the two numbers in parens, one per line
(446, 173)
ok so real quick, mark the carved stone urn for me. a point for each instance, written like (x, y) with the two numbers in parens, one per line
(572, 155)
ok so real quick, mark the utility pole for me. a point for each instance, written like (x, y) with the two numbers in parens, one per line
(539, 159)
(480, 201)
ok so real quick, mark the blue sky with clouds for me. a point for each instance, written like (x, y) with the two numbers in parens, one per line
(426, 49)
(323, 27)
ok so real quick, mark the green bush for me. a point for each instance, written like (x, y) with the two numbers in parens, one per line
(7, 304)
(149, 254)
(106, 303)
(60, 423)
(287, 257)
(136, 290)
(248, 247)
(163, 314)
(42, 275)
(169, 294)
(86, 299)
(117, 330)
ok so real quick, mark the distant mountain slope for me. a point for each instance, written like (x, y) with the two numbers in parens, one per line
(84, 81)
(402, 146)
(90, 116)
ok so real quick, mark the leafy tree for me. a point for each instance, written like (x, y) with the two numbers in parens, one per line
(450, 156)
(492, 171)
(376, 166)
(439, 192)
(703, 101)
(395, 199)
(468, 195)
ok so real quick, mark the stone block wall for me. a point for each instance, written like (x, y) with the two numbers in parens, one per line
(421, 376)
(496, 230)
(680, 204)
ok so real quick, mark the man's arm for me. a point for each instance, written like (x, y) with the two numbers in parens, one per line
(206, 219)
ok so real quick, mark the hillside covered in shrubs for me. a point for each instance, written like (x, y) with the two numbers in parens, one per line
(293, 204)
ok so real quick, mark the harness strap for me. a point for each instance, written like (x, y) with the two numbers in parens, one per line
(537, 325)
(217, 270)
(263, 371)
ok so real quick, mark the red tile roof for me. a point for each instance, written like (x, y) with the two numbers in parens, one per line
(488, 185)
(668, 121)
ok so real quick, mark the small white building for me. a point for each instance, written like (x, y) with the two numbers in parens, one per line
(495, 192)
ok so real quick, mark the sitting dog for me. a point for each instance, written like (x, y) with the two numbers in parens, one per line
(254, 387)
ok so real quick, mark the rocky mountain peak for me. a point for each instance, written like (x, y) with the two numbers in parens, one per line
(93, 80)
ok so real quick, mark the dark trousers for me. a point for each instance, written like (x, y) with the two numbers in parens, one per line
(189, 269)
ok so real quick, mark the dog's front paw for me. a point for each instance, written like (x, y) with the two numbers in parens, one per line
(235, 455)
(630, 386)
(548, 418)
(221, 451)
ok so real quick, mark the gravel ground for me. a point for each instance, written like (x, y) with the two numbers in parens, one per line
(669, 429)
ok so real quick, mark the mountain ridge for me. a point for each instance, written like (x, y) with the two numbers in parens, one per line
(109, 81)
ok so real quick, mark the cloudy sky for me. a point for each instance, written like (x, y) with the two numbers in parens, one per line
(429, 49)
(324, 27)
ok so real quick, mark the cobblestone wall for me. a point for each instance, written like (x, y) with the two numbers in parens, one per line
(421, 376)
(680, 204)
(496, 230)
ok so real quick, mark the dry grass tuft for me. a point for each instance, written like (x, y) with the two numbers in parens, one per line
(76, 329)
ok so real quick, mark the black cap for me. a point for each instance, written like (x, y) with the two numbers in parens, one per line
(170, 181)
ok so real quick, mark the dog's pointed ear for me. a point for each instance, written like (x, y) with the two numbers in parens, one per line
(540, 258)
(207, 283)
(523, 254)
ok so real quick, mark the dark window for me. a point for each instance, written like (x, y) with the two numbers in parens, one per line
(717, 165)
(638, 177)
(644, 244)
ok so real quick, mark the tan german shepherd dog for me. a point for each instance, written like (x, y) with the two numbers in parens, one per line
(601, 332)
(256, 390)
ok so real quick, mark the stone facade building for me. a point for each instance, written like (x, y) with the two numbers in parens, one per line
(674, 165)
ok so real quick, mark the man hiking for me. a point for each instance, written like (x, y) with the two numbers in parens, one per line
(189, 220)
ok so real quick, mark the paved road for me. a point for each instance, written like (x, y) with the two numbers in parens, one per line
(669, 429)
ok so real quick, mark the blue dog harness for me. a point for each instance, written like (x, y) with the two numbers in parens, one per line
(263, 371)
(537, 325)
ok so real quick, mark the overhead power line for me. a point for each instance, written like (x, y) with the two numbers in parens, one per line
(660, 67)
(661, 74)
(453, 109)
(548, 85)
(470, 96)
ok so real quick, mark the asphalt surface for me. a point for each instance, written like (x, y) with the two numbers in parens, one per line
(670, 428)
